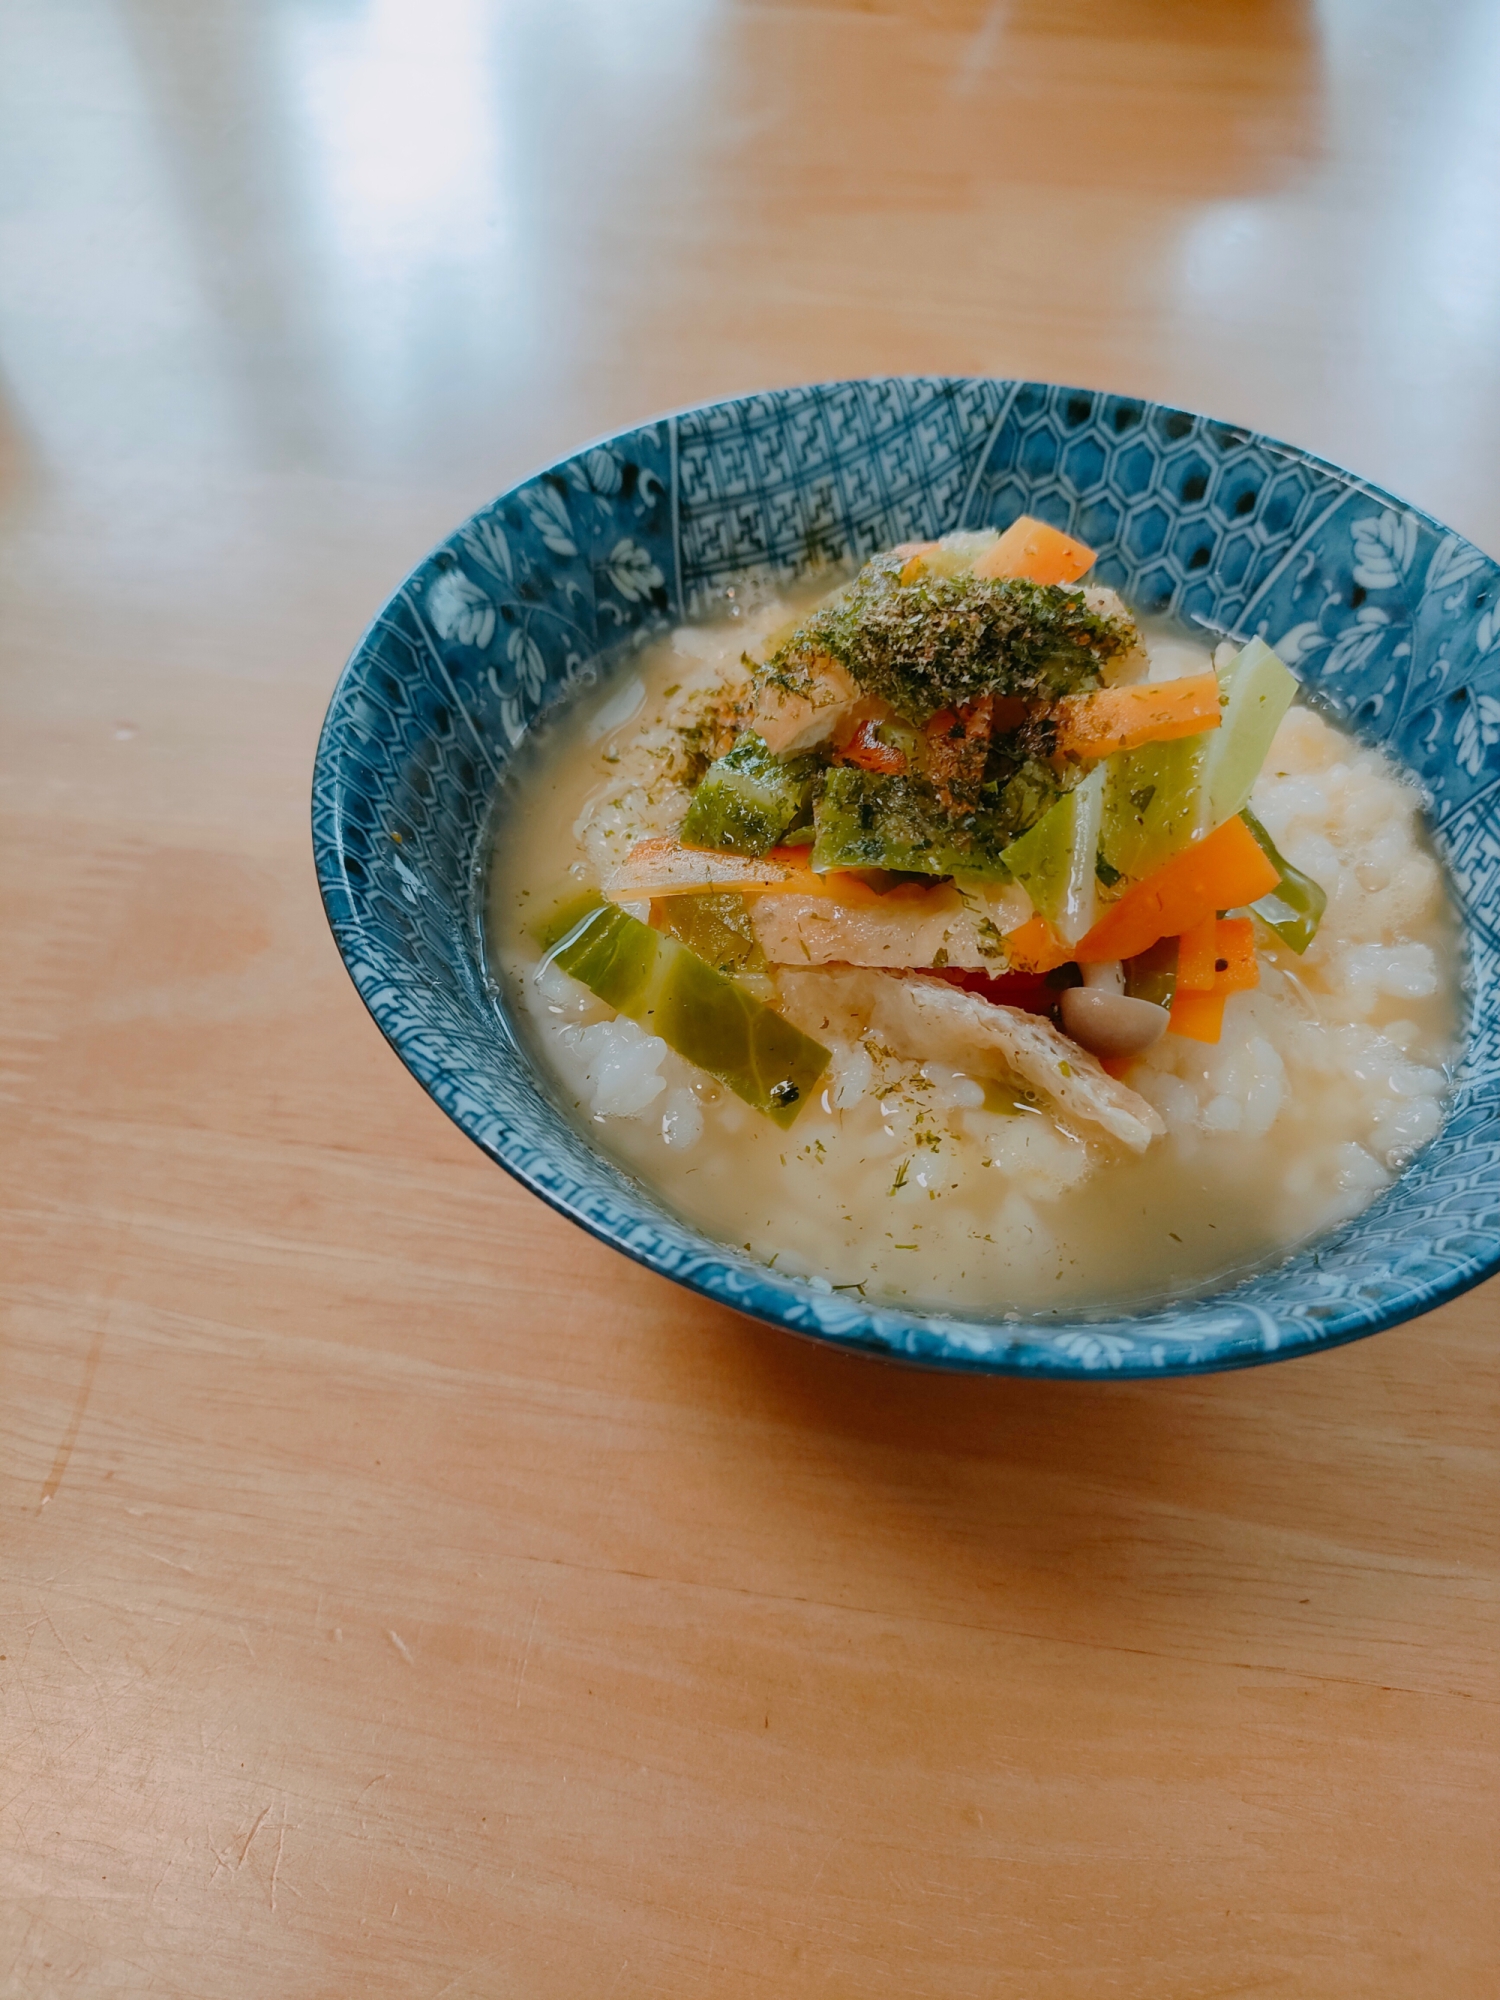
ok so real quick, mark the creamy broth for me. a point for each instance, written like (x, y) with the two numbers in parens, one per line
(915, 1184)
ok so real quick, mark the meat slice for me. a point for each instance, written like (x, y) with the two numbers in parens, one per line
(1134, 664)
(791, 720)
(937, 1023)
(926, 1020)
(664, 867)
(934, 926)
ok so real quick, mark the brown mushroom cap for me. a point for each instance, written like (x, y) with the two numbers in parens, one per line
(1111, 1024)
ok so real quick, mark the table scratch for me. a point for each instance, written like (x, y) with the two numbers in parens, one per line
(276, 1864)
(244, 1851)
(64, 1451)
(526, 1650)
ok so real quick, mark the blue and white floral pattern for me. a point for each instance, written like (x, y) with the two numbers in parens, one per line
(1392, 617)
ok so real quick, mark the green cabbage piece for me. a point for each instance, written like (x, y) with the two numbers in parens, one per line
(717, 925)
(866, 820)
(749, 798)
(710, 1020)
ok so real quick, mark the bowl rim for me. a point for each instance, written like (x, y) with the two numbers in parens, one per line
(872, 1333)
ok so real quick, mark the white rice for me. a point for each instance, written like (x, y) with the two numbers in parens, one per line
(905, 1180)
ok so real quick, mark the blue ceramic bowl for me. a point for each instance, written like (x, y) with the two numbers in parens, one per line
(1389, 615)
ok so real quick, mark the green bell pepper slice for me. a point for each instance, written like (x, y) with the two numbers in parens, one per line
(1294, 908)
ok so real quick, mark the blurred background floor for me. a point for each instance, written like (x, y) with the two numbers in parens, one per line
(401, 1594)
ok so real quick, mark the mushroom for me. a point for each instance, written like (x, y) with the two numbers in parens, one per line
(1108, 974)
(1111, 1024)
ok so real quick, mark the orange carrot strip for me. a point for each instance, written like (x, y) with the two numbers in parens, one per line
(1031, 549)
(1199, 1016)
(1236, 968)
(864, 748)
(1033, 948)
(1196, 951)
(1224, 872)
(1123, 718)
(1218, 956)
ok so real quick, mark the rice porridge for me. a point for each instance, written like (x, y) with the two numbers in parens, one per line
(987, 1107)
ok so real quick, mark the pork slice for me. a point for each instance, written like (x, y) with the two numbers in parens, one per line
(925, 1020)
(1134, 664)
(827, 1000)
(930, 1021)
(663, 867)
(938, 927)
(790, 722)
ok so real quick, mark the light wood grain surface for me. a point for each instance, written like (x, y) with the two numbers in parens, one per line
(403, 1595)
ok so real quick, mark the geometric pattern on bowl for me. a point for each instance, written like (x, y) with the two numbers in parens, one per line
(1391, 616)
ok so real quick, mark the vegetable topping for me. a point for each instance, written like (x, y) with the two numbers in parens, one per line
(954, 767)
(749, 798)
(1123, 718)
(1294, 908)
(1224, 872)
(940, 641)
(1031, 548)
(713, 1021)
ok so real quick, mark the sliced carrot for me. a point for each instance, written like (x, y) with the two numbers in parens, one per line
(1214, 959)
(1196, 951)
(1123, 718)
(1033, 948)
(1041, 554)
(1236, 968)
(1199, 1016)
(1226, 871)
(865, 749)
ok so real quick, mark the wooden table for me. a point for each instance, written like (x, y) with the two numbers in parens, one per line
(403, 1595)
